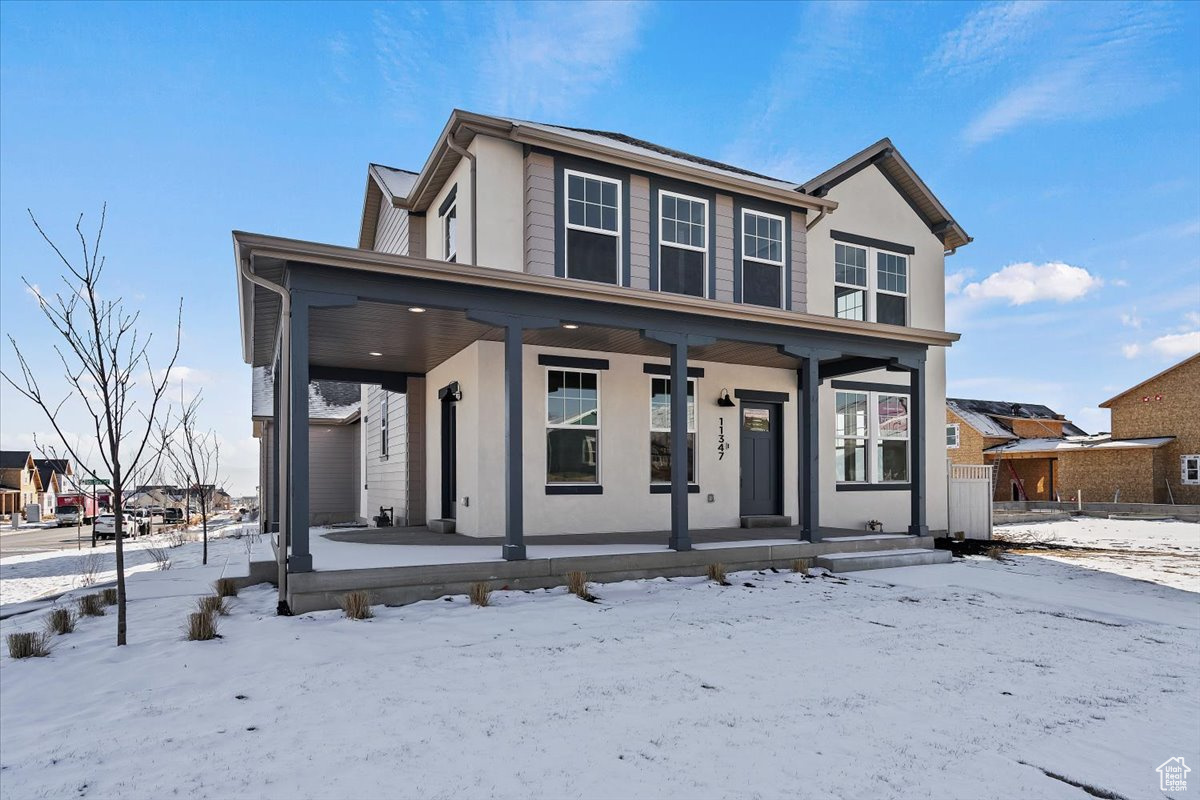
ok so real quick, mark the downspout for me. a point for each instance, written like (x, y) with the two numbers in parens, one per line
(282, 423)
(817, 219)
(467, 154)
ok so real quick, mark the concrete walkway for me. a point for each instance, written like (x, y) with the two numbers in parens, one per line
(420, 535)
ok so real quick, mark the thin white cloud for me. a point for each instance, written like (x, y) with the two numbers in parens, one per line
(1131, 350)
(1027, 282)
(955, 282)
(1192, 320)
(1177, 345)
(1131, 319)
(986, 37)
(543, 58)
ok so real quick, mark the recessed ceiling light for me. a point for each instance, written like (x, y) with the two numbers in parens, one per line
(417, 310)
(374, 354)
(570, 326)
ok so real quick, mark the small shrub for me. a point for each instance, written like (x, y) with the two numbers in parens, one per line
(577, 584)
(201, 627)
(28, 645)
(212, 604)
(481, 594)
(716, 574)
(226, 587)
(995, 553)
(177, 537)
(89, 568)
(160, 557)
(109, 596)
(357, 605)
(90, 605)
(60, 620)
(798, 565)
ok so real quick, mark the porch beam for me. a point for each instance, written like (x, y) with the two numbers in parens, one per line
(299, 558)
(854, 365)
(389, 381)
(916, 426)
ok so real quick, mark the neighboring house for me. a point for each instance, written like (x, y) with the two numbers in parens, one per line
(333, 447)
(55, 474)
(563, 330)
(20, 481)
(978, 430)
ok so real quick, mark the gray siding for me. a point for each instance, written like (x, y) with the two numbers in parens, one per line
(333, 473)
(799, 262)
(639, 232)
(397, 482)
(539, 214)
(724, 261)
(391, 233)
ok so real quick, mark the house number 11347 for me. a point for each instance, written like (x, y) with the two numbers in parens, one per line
(721, 445)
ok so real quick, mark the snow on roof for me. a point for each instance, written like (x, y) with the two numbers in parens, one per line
(327, 400)
(980, 422)
(1101, 441)
(620, 141)
(398, 182)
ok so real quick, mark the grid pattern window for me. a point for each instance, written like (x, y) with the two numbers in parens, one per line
(762, 259)
(952, 436)
(891, 443)
(1189, 470)
(450, 234)
(383, 425)
(683, 244)
(660, 430)
(850, 453)
(891, 300)
(850, 281)
(572, 426)
(593, 227)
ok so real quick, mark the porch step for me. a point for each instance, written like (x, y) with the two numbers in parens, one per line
(441, 525)
(882, 559)
(766, 521)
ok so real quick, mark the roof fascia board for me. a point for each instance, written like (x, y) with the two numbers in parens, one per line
(251, 244)
(372, 195)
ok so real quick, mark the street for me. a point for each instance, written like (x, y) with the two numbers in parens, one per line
(40, 540)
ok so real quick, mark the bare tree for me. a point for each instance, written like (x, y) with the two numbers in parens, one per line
(196, 456)
(102, 354)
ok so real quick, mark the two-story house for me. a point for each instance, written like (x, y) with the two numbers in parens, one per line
(20, 481)
(574, 331)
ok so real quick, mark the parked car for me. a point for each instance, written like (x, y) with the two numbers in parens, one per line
(171, 515)
(135, 524)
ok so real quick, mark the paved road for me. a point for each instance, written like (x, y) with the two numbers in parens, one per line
(42, 540)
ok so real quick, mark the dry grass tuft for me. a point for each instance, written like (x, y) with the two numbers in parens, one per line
(799, 566)
(481, 594)
(995, 553)
(60, 620)
(90, 605)
(577, 584)
(357, 605)
(28, 645)
(226, 587)
(716, 574)
(212, 604)
(201, 627)
(160, 556)
(109, 596)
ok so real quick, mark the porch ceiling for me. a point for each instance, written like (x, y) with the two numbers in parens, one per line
(417, 342)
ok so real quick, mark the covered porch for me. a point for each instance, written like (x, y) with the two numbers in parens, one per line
(317, 311)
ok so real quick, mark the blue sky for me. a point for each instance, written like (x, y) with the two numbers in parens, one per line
(1064, 137)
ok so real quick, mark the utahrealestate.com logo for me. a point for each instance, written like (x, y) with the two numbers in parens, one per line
(1172, 775)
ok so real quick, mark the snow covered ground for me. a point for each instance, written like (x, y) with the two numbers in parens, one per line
(1166, 552)
(978, 679)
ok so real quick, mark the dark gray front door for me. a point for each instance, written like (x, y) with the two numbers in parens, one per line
(761, 445)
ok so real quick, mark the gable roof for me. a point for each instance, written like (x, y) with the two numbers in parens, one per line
(1108, 403)
(49, 467)
(884, 155)
(988, 416)
(15, 459)
(391, 183)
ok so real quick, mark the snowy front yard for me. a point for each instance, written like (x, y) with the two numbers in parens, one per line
(970, 680)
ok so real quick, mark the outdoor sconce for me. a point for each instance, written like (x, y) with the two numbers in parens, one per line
(723, 401)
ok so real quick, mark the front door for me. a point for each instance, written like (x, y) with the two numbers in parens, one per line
(761, 446)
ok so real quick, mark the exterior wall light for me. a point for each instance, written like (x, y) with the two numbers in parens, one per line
(417, 310)
(571, 326)
(724, 400)
(373, 353)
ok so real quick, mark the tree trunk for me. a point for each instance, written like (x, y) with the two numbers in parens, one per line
(204, 527)
(119, 512)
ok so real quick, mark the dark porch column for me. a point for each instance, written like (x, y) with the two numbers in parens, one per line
(809, 377)
(916, 432)
(299, 559)
(514, 476)
(681, 538)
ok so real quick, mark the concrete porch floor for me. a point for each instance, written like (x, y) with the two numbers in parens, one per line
(422, 536)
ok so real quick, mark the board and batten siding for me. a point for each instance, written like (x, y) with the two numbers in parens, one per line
(799, 263)
(539, 214)
(724, 254)
(640, 217)
(394, 234)
(333, 473)
(398, 481)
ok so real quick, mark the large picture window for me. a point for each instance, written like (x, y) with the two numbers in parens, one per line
(762, 259)
(871, 422)
(683, 244)
(593, 228)
(660, 430)
(879, 295)
(572, 426)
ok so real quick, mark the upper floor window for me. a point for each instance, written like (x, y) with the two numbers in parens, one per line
(572, 426)
(860, 293)
(450, 233)
(762, 259)
(952, 436)
(683, 244)
(593, 234)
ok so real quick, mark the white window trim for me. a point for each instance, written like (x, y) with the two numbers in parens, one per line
(783, 244)
(561, 426)
(567, 225)
(693, 248)
(693, 426)
(872, 290)
(1183, 469)
(957, 436)
(873, 438)
(383, 424)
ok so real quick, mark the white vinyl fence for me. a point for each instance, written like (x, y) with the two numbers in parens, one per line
(970, 497)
